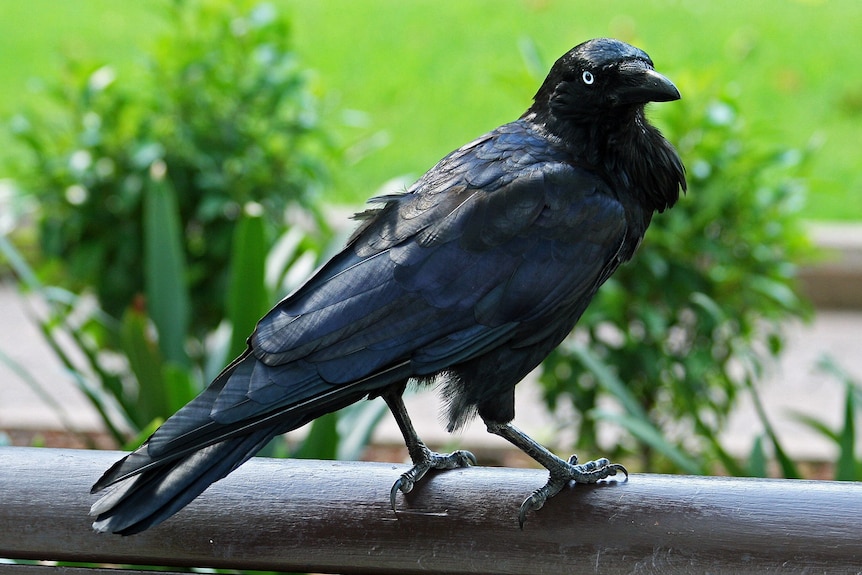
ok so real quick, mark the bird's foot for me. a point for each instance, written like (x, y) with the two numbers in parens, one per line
(429, 460)
(590, 472)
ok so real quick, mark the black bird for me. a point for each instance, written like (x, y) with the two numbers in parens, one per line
(471, 277)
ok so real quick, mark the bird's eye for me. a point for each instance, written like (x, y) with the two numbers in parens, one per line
(588, 77)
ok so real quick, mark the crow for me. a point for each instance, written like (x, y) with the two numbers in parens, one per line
(469, 279)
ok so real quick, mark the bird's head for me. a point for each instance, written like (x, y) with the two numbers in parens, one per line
(593, 102)
(599, 78)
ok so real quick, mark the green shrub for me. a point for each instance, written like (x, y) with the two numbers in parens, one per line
(221, 109)
(180, 198)
(678, 333)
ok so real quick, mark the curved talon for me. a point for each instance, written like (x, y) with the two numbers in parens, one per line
(522, 512)
(619, 467)
(405, 483)
(531, 503)
(393, 494)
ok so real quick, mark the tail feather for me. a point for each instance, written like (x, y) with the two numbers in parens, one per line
(193, 449)
(145, 500)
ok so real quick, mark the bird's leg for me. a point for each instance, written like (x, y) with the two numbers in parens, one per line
(561, 471)
(423, 458)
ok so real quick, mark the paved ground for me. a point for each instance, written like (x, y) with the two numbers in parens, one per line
(795, 385)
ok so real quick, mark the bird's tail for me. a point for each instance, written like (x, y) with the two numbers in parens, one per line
(194, 448)
(144, 500)
(180, 460)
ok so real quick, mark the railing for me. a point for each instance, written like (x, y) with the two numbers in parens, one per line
(321, 516)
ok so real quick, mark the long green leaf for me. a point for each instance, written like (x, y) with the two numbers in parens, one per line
(146, 364)
(788, 467)
(845, 469)
(58, 315)
(635, 420)
(165, 271)
(109, 383)
(609, 380)
(44, 395)
(247, 296)
(727, 460)
(25, 273)
(815, 424)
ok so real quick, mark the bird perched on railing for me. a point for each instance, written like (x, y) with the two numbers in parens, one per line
(469, 279)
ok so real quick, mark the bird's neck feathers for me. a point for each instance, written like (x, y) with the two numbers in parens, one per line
(629, 152)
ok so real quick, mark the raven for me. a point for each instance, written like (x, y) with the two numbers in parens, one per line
(470, 278)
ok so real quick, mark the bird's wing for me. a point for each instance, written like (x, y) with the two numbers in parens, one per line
(493, 237)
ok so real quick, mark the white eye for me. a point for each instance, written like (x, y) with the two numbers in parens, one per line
(588, 78)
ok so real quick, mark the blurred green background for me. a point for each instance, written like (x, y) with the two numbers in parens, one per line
(413, 80)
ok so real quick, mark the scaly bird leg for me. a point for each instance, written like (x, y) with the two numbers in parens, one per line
(561, 471)
(423, 458)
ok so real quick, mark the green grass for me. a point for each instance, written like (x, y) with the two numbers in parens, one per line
(34, 36)
(430, 75)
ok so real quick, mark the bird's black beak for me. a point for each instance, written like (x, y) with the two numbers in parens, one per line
(642, 84)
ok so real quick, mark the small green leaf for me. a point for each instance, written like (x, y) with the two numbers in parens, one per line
(709, 305)
(777, 291)
(140, 437)
(180, 386)
(757, 459)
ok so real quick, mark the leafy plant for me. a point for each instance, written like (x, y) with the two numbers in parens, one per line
(222, 108)
(159, 194)
(680, 332)
(135, 389)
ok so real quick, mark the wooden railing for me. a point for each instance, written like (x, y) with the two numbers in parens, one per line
(334, 517)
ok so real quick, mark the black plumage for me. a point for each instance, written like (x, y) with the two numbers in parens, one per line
(471, 277)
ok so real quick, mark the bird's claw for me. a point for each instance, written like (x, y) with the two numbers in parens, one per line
(432, 460)
(589, 472)
(394, 492)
